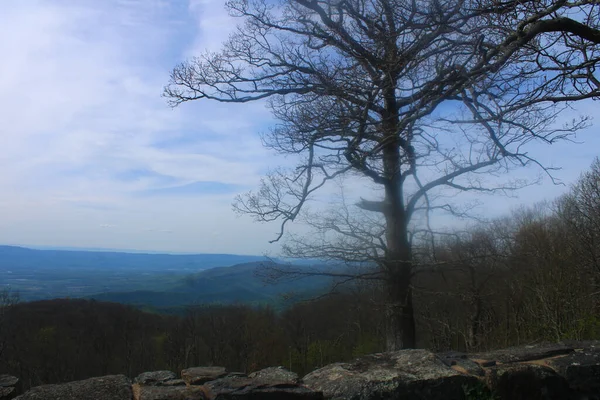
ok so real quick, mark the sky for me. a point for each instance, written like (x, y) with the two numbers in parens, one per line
(91, 156)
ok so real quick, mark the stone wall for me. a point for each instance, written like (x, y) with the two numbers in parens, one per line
(8, 387)
(565, 371)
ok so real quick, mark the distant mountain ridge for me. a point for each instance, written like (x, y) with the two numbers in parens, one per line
(113, 250)
(22, 256)
(157, 281)
(46, 274)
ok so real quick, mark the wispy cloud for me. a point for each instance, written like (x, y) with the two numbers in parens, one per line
(90, 153)
(85, 131)
(199, 188)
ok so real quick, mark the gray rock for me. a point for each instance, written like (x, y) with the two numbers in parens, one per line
(275, 375)
(524, 353)
(200, 375)
(115, 387)
(405, 374)
(236, 374)
(8, 381)
(546, 371)
(527, 382)
(141, 392)
(7, 393)
(155, 378)
(245, 388)
(581, 370)
(582, 344)
(8, 389)
(173, 382)
(461, 363)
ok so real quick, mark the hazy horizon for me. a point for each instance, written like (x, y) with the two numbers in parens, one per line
(116, 250)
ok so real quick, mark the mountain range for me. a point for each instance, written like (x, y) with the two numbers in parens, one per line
(155, 281)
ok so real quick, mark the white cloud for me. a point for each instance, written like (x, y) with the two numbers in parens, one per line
(80, 87)
(213, 24)
(85, 133)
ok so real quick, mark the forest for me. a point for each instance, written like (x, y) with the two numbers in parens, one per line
(528, 277)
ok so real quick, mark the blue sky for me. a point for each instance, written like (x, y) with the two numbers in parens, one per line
(91, 156)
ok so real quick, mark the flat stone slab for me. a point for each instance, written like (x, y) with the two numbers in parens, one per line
(405, 374)
(168, 392)
(582, 344)
(461, 363)
(201, 375)
(245, 388)
(524, 353)
(527, 382)
(581, 369)
(8, 380)
(7, 393)
(114, 387)
(275, 375)
(173, 382)
(155, 378)
(8, 388)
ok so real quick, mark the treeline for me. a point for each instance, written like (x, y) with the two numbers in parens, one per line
(532, 276)
(529, 277)
(69, 339)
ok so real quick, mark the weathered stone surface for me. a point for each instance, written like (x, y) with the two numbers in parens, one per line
(173, 382)
(405, 374)
(527, 382)
(582, 344)
(8, 389)
(569, 371)
(7, 393)
(245, 388)
(484, 363)
(141, 392)
(114, 387)
(460, 363)
(574, 368)
(155, 378)
(275, 375)
(8, 380)
(235, 374)
(580, 369)
(525, 353)
(200, 375)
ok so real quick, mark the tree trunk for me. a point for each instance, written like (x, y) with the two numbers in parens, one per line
(400, 329)
(400, 322)
(474, 327)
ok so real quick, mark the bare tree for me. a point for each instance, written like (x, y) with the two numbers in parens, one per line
(425, 98)
(580, 210)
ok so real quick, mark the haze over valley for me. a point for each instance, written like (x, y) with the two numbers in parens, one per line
(164, 282)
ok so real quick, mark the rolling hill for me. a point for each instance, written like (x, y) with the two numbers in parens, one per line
(240, 283)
